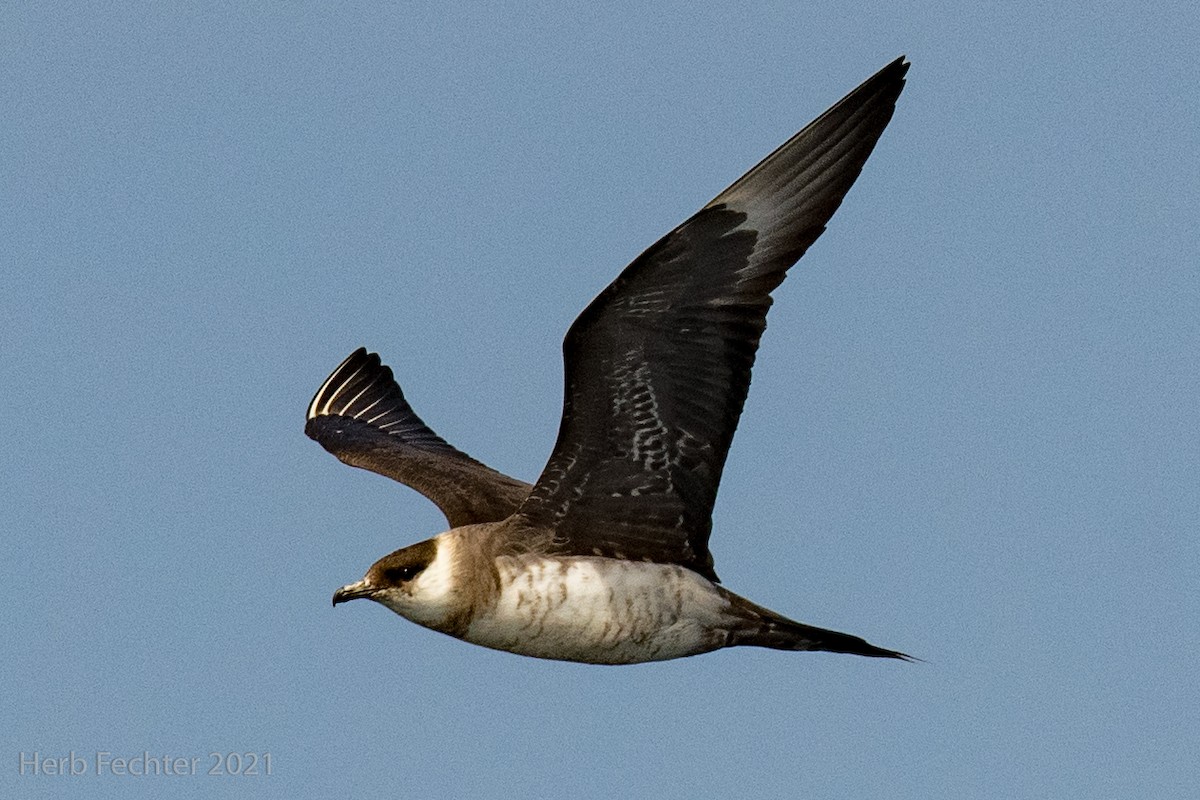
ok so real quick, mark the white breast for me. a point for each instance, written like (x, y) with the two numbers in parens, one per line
(601, 610)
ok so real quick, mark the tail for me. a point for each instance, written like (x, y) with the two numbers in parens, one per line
(764, 628)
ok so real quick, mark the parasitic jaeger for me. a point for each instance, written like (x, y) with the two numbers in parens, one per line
(605, 558)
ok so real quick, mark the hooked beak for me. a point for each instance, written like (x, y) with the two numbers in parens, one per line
(353, 591)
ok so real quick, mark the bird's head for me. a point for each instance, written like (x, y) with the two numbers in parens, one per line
(415, 581)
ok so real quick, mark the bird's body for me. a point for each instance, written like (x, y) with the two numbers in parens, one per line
(601, 610)
(485, 585)
(605, 558)
(574, 608)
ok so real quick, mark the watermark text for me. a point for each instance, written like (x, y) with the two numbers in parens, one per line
(103, 763)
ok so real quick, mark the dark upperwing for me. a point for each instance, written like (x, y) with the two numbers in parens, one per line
(658, 365)
(360, 415)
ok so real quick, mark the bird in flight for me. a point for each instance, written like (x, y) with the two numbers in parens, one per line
(605, 558)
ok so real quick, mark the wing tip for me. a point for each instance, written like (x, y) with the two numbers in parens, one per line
(359, 362)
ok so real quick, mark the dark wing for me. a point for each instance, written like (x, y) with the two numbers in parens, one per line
(360, 415)
(658, 365)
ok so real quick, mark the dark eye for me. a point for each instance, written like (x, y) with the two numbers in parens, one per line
(395, 575)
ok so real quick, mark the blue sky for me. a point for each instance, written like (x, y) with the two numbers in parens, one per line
(971, 434)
